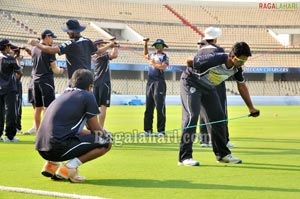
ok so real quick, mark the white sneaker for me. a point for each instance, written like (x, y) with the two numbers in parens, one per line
(160, 134)
(230, 159)
(206, 145)
(1, 139)
(6, 139)
(67, 173)
(230, 145)
(30, 131)
(145, 134)
(189, 162)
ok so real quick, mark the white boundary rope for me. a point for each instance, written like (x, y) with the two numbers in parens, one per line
(46, 193)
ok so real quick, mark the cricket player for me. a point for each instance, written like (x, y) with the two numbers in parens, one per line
(61, 136)
(8, 92)
(156, 88)
(102, 78)
(198, 89)
(78, 49)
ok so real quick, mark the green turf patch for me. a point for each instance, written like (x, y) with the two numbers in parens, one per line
(268, 145)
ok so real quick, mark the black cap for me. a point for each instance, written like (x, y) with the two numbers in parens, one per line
(72, 25)
(48, 33)
(4, 42)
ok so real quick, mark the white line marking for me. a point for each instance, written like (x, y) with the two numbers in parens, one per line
(47, 193)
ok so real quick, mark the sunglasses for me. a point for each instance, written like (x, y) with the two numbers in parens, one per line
(240, 61)
(159, 45)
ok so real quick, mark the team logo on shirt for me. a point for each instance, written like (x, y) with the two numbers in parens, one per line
(192, 89)
(65, 44)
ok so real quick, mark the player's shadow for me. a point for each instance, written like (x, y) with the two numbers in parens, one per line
(180, 184)
(22, 142)
(262, 166)
(273, 167)
(267, 140)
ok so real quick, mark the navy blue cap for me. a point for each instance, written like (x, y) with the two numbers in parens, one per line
(48, 33)
(72, 25)
(160, 41)
(4, 42)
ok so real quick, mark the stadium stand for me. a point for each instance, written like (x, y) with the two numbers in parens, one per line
(234, 13)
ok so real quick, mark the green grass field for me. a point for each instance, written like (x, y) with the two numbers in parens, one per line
(268, 145)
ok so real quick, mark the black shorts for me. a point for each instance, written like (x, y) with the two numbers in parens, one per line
(71, 148)
(102, 93)
(43, 92)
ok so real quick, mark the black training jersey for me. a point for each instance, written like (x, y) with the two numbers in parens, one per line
(8, 66)
(41, 64)
(78, 53)
(101, 67)
(211, 48)
(155, 74)
(213, 70)
(62, 119)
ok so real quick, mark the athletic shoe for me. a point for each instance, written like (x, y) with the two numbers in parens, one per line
(160, 134)
(145, 134)
(189, 162)
(205, 145)
(30, 131)
(1, 139)
(230, 159)
(230, 145)
(71, 174)
(6, 139)
(49, 169)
